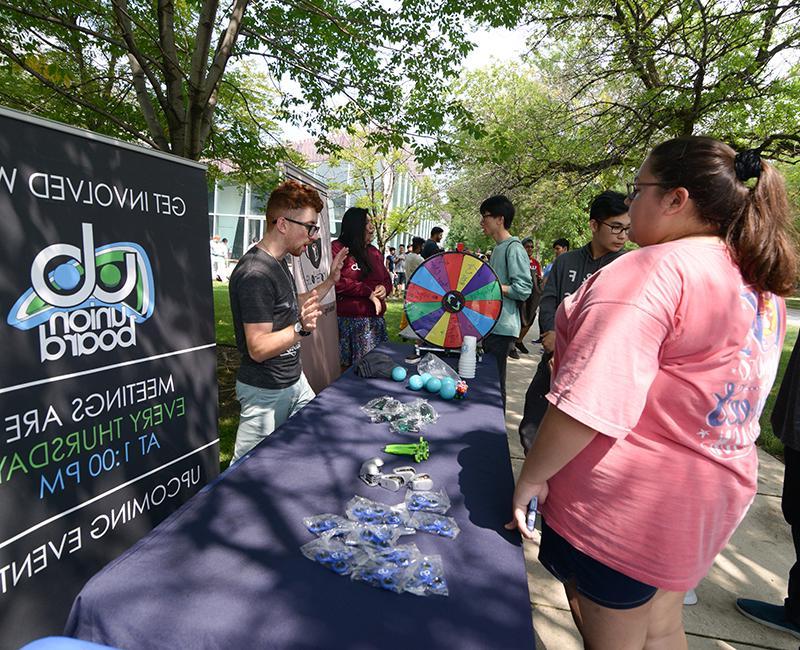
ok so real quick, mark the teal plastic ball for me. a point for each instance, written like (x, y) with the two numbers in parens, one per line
(449, 381)
(415, 382)
(447, 391)
(425, 377)
(398, 373)
(433, 385)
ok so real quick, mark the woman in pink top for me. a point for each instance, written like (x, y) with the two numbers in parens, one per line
(361, 290)
(645, 462)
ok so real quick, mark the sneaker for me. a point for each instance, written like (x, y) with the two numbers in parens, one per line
(513, 354)
(690, 597)
(766, 614)
(521, 347)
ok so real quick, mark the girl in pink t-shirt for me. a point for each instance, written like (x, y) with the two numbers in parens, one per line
(645, 462)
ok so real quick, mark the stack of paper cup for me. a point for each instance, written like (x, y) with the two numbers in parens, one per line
(466, 362)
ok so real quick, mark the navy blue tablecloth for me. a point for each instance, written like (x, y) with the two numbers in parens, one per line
(225, 571)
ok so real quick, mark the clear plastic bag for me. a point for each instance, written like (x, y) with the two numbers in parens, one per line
(427, 500)
(320, 524)
(414, 416)
(383, 409)
(403, 556)
(379, 535)
(383, 575)
(367, 511)
(433, 524)
(334, 554)
(426, 577)
(434, 366)
(423, 410)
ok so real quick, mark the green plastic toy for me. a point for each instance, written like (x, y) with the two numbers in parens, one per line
(419, 450)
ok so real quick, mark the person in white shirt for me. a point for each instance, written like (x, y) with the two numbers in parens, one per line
(413, 257)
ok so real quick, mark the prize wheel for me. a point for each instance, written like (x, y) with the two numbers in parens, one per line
(453, 295)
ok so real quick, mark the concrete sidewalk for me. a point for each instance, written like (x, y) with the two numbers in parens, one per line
(755, 564)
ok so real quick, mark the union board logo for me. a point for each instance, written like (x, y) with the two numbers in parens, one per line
(86, 299)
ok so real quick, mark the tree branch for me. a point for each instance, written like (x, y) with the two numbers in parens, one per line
(74, 98)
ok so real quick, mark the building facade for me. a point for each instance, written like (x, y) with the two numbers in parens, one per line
(236, 212)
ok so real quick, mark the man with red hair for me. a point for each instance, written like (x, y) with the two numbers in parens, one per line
(270, 317)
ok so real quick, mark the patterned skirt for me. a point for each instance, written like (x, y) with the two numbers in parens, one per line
(358, 336)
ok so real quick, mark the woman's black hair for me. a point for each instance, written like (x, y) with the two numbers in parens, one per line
(354, 225)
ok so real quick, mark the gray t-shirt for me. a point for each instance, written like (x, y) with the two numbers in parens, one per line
(261, 291)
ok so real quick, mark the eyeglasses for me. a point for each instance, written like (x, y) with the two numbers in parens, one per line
(490, 216)
(312, 228)
(616, 228)
(633, 188)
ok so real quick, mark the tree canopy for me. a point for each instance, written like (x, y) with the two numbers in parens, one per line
(165, 72)
(604, 81)
(640, 72)
(389, 185)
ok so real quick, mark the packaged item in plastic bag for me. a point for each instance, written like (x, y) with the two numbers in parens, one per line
(414, 416)
(423, 410)
(383, 409)
(334, 554)
(405, 425)
(382, 575)
(426, 577)
(433, 524)
(367, 511)
(427, 500)
(379, 535)
(435, 367)
(319, 524)
(403, 556)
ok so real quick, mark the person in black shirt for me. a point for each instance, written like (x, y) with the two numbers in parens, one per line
(431, 246)
(609, 221)
(270, 318)
(785, 422)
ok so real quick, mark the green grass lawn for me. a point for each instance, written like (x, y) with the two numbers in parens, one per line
(394, 312)
(223, 321)
(228, 361)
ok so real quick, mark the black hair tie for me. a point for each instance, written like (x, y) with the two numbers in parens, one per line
(747, 164)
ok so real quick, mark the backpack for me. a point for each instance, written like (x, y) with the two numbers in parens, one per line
(529, 306)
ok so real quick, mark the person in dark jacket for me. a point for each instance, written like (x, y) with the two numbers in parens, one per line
(785, 422)
(431, 246)
(609, 221)
(361, 290)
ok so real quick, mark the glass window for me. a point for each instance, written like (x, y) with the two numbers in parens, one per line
(232, 229)
(230, 199)
(258, 201)
(255, 232)
(339, 206)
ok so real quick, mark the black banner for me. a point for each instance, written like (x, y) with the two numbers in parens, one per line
(108, 394)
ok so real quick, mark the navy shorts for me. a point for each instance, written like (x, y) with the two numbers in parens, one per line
(599, 583)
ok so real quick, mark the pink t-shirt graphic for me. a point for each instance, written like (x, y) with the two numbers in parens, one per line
(670, 356)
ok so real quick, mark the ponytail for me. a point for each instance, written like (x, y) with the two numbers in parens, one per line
(762, 240)
(754, 222)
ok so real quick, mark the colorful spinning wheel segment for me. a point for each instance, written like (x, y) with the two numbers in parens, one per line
(453, 295)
